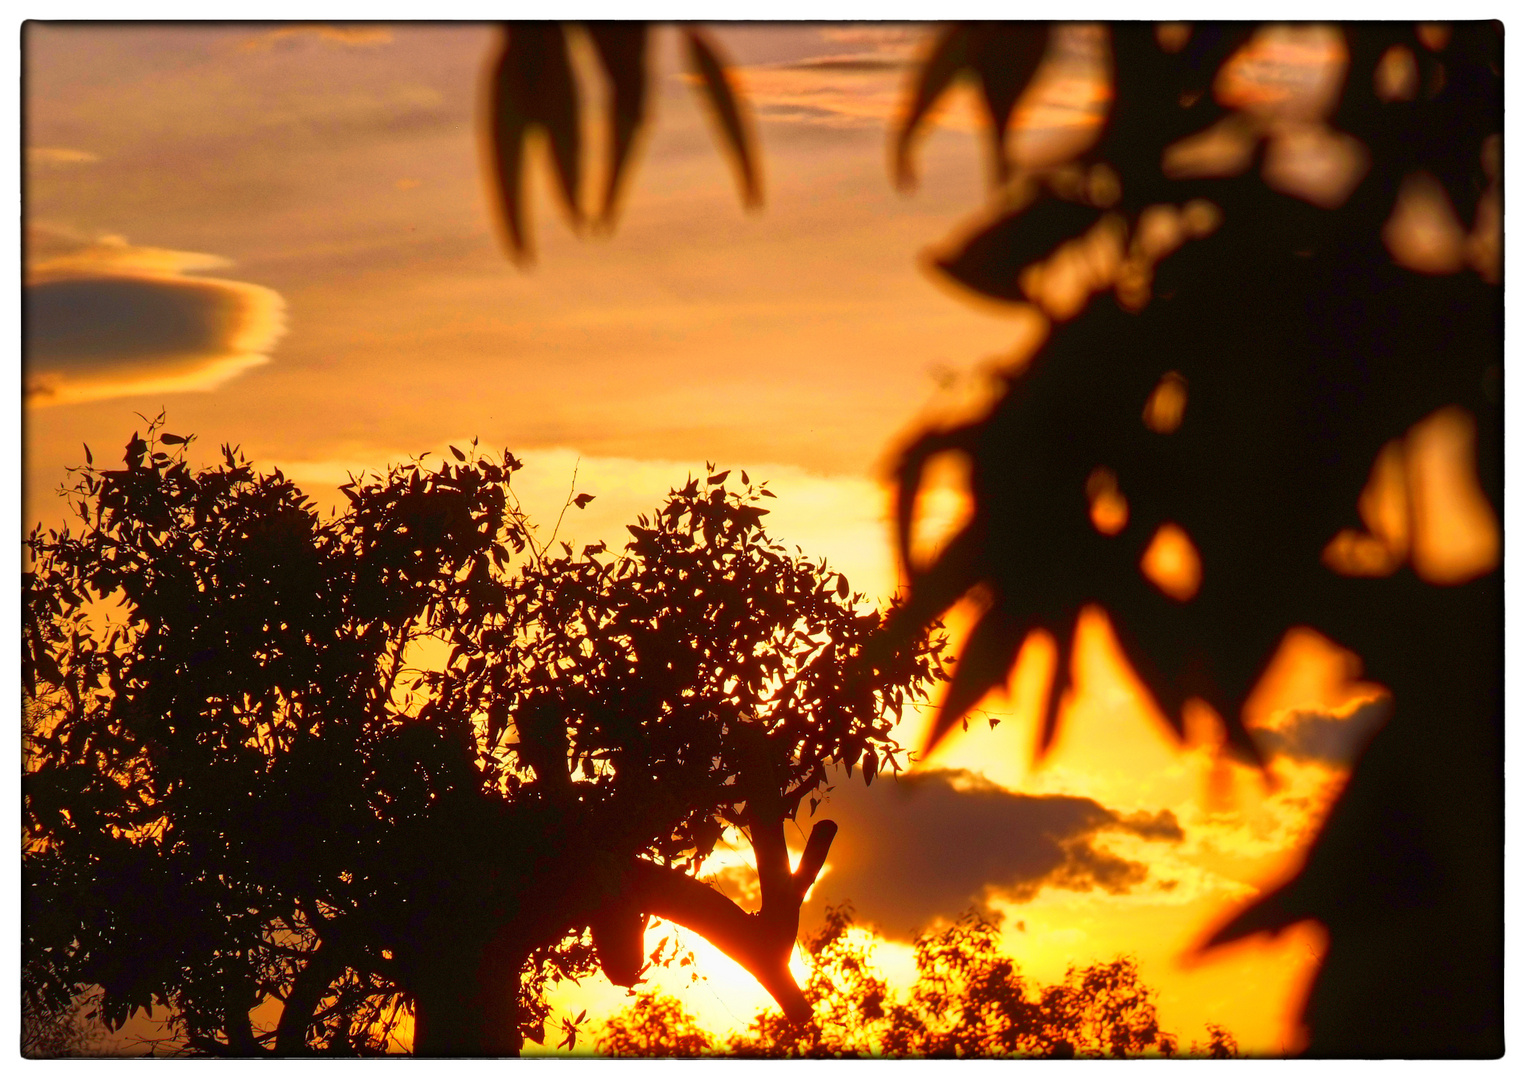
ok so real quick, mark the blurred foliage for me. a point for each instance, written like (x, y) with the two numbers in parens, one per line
(535, 90)
(383, 761)
(970, 1000)
(1308, 335)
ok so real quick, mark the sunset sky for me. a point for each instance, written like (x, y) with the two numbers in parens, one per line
(283, 237)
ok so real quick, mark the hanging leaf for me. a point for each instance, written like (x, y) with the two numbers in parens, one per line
(1056, 691)
(1005, 56)
(533, 87)
(738, 141)
(948, 56)
(621, 47)
(583, 500)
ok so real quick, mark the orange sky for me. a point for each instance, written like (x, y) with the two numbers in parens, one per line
(310, 205)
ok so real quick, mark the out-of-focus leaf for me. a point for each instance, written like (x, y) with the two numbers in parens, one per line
(991, 260)
(1056, 691)
(987, 657)
(622, 49)
(533, 87)
(954, 573)
(717, 88)
(1005, 56)
(948, 56)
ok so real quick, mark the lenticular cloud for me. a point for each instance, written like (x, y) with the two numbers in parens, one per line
(108, 319)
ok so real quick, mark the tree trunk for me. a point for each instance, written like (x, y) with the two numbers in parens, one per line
(466, 1001)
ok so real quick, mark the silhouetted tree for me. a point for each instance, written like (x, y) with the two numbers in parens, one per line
(969, 1000)
(344, 766)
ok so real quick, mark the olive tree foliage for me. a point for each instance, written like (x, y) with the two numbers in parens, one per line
(969, 1000)
(405, 758)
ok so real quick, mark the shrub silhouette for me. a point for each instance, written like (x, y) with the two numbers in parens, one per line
(969, 1000)
(365, 763)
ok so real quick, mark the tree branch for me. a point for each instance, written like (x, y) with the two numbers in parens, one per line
(760, 942)
(307, 989)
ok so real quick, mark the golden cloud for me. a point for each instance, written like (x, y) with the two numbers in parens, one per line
(107, 319)
(59, 156)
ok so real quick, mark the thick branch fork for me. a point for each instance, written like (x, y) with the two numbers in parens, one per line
(762, 941)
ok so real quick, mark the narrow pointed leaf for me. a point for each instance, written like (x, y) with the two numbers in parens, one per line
(554, 105)
(987, 658)
(509, 123)
(1049, 728)
(533, 86)
(622, 50)
(948, 56)
(1005, 56)
(708, 66)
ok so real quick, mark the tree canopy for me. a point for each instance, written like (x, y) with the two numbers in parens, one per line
(406, 757)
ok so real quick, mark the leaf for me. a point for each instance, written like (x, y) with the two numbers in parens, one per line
(508, 124)
(89, 460)
(583, 500)
(1061, 683)
(533, 86)
(719, 478)
(1005, 56)
(948, 56)
(458, 455)
(738, 141)
(988, 654)
(621, 46)
(842, 586)
(990, 261)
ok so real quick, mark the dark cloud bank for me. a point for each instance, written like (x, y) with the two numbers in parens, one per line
(1319, 737)
(934, 843)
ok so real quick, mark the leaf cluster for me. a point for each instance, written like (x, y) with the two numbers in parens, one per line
(535, 89)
